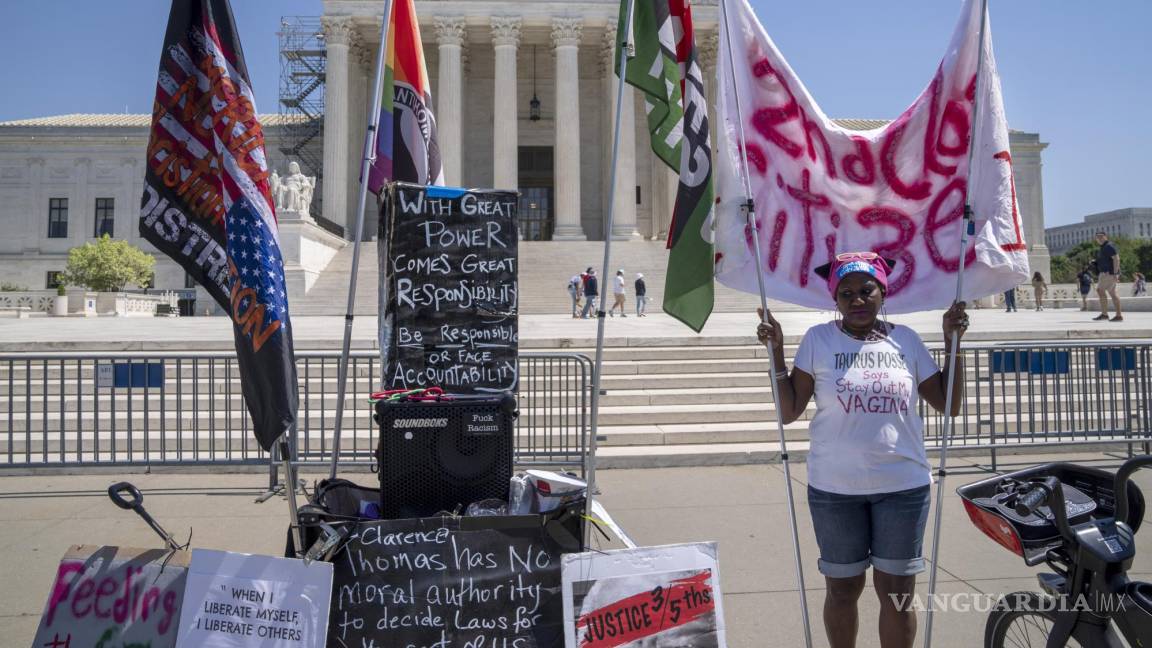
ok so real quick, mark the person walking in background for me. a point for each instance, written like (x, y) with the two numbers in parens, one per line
(591, 291)
(1108, 269)
(575, 288)
(618, 294)
(1038, 289)
(641, 296)
(1010, 300)
(1085, 281)
(1138, 284)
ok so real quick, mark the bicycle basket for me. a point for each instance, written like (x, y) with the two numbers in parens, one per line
(1088, 494)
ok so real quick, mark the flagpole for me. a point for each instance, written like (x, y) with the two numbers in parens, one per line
(949, 421)
(624, 44)
(365, 165)
(750, 213)
(286, 455)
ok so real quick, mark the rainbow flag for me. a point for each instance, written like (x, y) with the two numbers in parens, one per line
(406, 147)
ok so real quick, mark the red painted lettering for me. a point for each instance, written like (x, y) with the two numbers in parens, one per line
(897, 249)
(1018, 244)
(954, 122)
(777, 238)
(860, 167)
(756, 158)
(765, 120)
(808, 199)
(812, 128)
(62, 587)
(931, 162)
(918, 190)
(934, 223)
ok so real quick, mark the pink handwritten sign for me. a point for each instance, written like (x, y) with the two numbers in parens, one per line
(114, 596)
(820, 189)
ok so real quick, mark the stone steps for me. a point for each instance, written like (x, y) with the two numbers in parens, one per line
(545, 267)
(626, 391)
(668, 400)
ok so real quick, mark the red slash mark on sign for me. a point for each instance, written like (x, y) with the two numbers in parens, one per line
(1018, 244)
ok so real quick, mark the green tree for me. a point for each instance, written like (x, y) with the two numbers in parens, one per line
(1132, 257)
(108, 265)
(1063, 270)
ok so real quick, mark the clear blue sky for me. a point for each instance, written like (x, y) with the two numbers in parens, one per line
(1078, 73)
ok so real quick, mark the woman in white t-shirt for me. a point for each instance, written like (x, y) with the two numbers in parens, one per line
(868, 474)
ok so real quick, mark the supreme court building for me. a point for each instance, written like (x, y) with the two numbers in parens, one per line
(487, 60)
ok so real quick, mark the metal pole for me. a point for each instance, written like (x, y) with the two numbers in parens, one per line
(290, 476)
(750, 213)
(624, 38)
(366, 164)
(955, 346)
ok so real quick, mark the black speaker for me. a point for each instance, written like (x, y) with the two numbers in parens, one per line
(443, 455)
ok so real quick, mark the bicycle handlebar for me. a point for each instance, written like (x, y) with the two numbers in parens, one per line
(1120, 487)
(1027, 503)
(1050, 492)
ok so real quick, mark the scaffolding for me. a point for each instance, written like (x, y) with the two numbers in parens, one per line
(303, 59)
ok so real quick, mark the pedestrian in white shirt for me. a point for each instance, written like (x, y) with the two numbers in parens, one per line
(618, 294)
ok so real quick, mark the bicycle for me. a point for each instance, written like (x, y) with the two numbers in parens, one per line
(1068, 517)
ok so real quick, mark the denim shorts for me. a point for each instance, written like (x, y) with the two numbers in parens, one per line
(885, 530)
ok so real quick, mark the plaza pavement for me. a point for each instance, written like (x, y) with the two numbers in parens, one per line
(541, 331)
(743, 508)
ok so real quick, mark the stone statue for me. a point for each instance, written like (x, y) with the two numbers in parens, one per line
(293, 192)
(274, 185)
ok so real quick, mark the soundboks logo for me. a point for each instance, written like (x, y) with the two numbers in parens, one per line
(420, 423)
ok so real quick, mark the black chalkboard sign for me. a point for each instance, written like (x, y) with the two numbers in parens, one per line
(481, 582)
(449, 260)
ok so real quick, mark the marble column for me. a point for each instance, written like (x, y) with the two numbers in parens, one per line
(361, 62)
(337, 34)
(505, 136)
(566, 34)
(37, 220)
(1026, 149)
(706, 52)
(624, 200)
(127, 209)
(81, 225)
(450, 96)
(664, 181)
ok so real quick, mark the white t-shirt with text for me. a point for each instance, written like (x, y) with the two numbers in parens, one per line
(867, 435)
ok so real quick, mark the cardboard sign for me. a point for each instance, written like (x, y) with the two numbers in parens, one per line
(472, 582)
(235, 600)
(649, 596)
(114, 596)
(450, 294)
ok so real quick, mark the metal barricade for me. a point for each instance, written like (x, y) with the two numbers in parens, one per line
(1046, 394)
(552, 429)
(186, 408)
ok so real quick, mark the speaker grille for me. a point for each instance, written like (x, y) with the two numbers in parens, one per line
(442, 456)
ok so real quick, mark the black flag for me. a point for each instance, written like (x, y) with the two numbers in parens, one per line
(207, 201)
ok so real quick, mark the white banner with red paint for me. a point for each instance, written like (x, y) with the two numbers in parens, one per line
(643, 596)
(820, 189)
